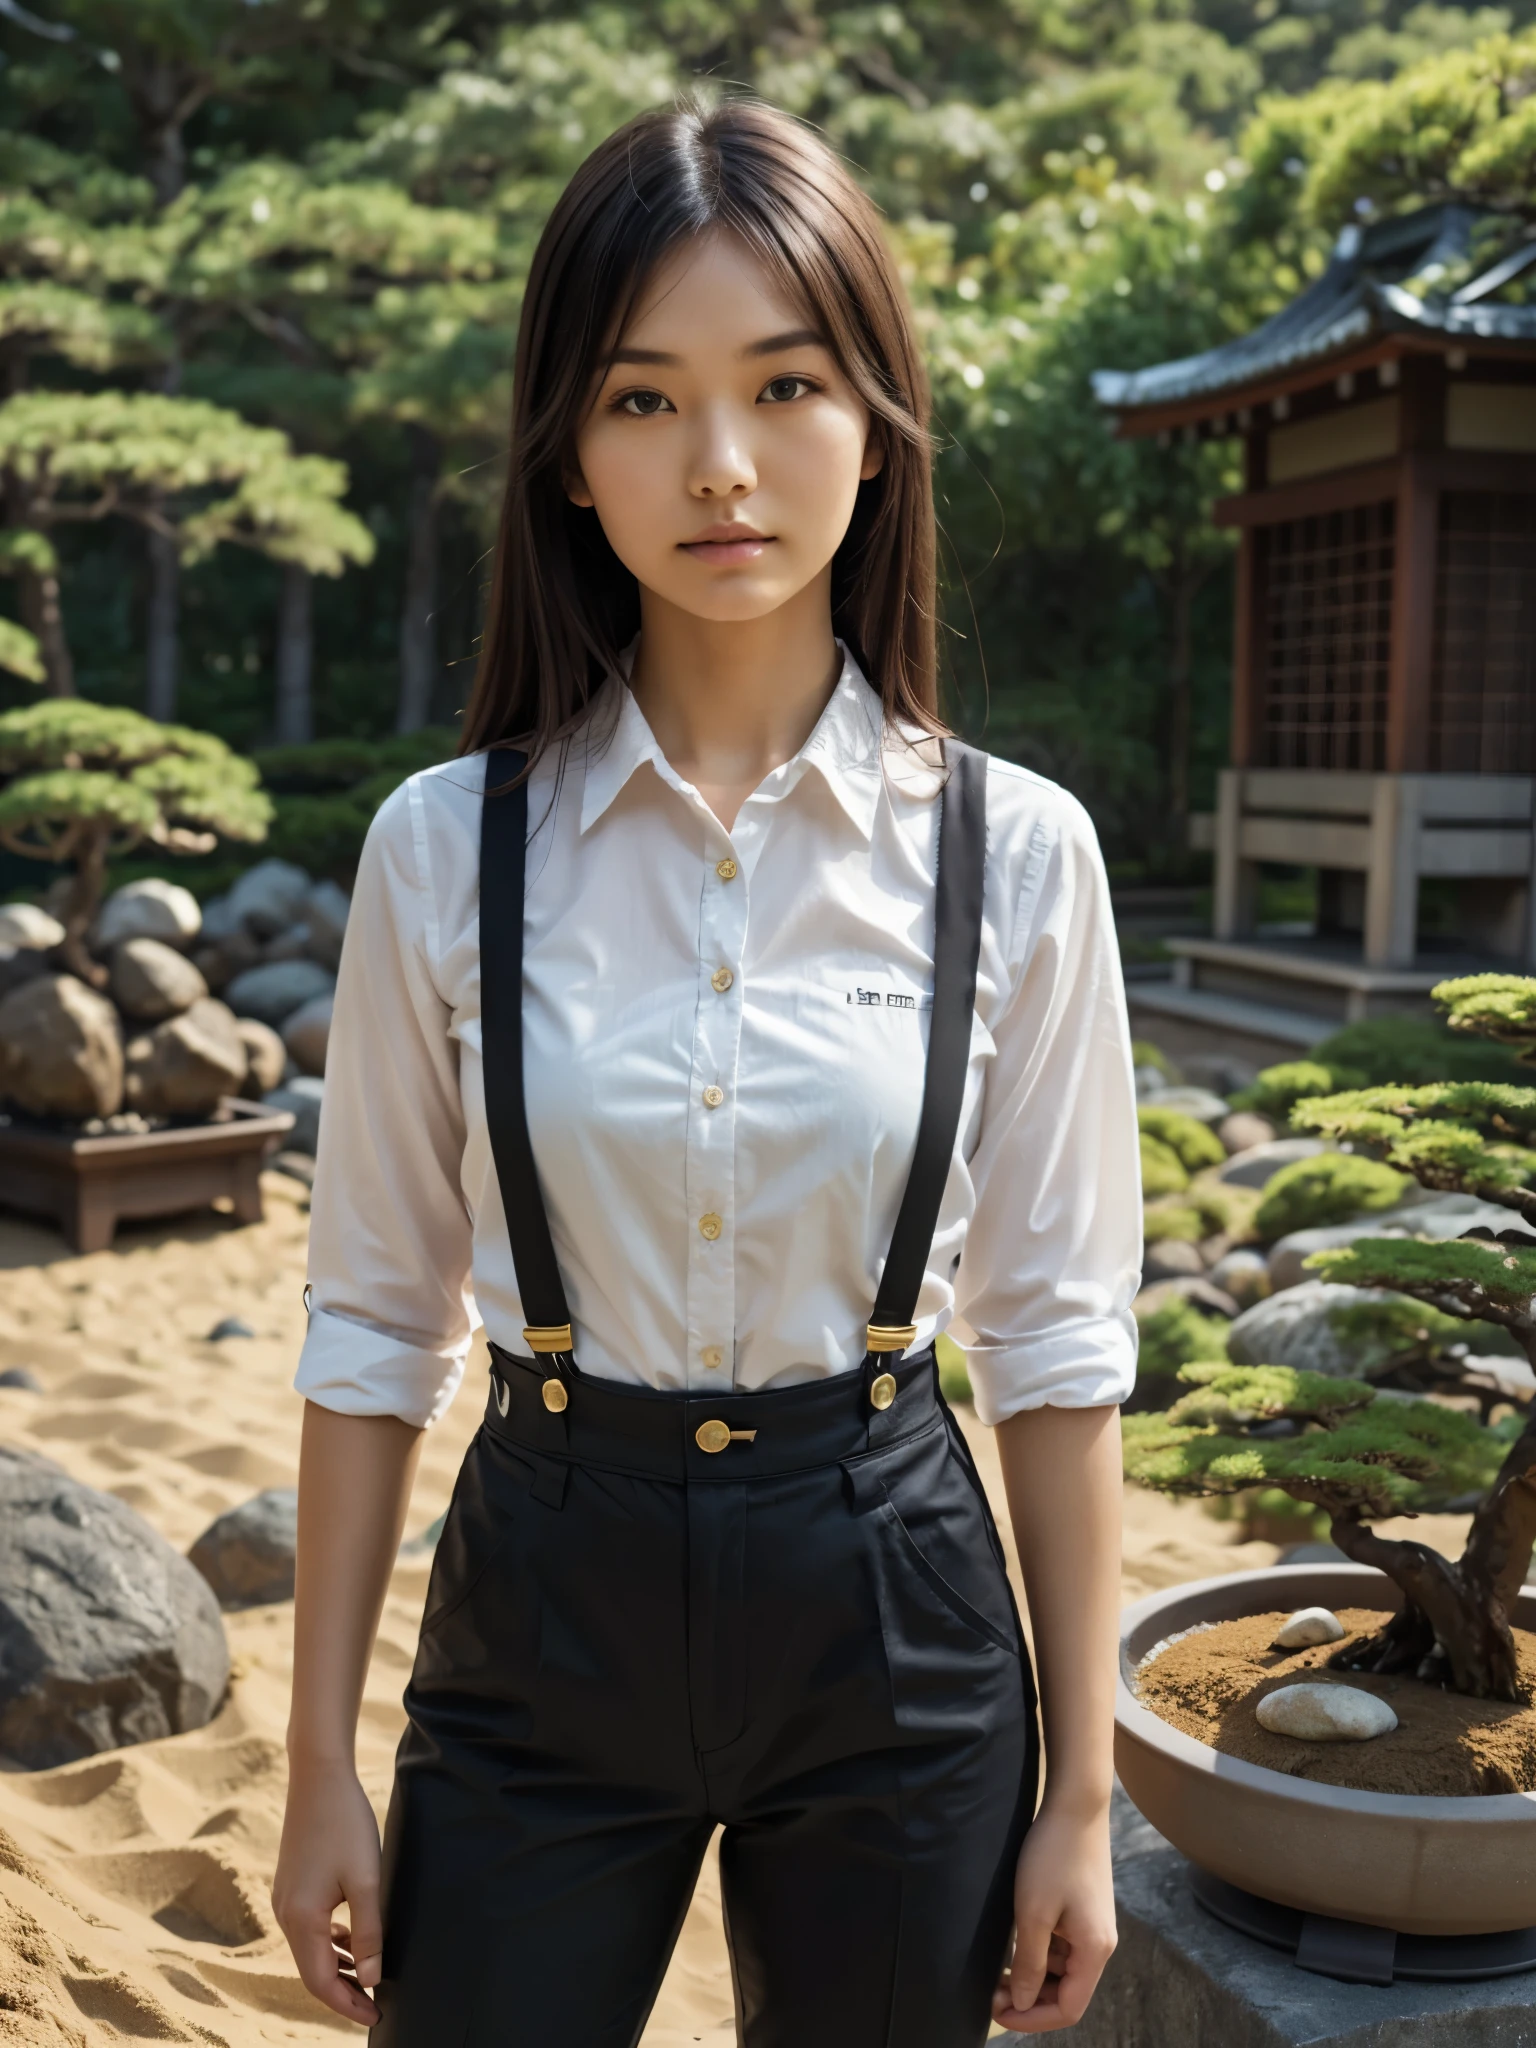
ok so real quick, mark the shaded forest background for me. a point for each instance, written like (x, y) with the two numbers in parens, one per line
(260, 266)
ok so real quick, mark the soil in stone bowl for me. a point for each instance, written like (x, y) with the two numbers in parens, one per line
(1209, 1682)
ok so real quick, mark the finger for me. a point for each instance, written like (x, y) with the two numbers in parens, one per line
(367, 1946)
(1031, 1951)
(1081, 1977)
(316, 1960)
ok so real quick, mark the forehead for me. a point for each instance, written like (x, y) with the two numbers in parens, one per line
(712, 292)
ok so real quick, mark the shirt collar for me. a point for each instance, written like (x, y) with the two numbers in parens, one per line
(845, 748)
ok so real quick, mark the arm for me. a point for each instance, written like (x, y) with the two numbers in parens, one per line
(1061, 1467)
(355, 1475)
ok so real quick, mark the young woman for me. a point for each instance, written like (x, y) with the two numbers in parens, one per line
(720, 1030)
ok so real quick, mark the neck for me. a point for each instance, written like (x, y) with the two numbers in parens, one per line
(731, 701)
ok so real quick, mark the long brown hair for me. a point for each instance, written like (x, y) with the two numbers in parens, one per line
(562, 604)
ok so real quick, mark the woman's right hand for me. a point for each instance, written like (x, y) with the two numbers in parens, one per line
(329, 1857)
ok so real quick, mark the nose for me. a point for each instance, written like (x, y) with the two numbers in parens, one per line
(722, 465)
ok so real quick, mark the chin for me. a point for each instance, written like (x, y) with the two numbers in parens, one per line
(730, 607)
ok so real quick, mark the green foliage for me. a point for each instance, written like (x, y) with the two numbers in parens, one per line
(73, 773)
(326, 793)
(1394, 1050)
(1177, 1333)
(1201, 1210)
(1145, 1054)
(1193, 1143)
(1468, 1137)
(954, 1380)
(1311, 1193)
(1276, 1091)
(1498, 1006)
(1466, 1271)
(1162, 1170)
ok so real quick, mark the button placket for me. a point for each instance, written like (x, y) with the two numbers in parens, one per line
(711, 1149)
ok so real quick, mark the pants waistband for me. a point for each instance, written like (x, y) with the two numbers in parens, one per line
(665, 1435)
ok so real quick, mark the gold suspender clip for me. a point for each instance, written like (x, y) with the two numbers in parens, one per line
(882, 1337)
(556, 1338)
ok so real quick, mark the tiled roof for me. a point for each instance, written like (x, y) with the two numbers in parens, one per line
(1379, 280)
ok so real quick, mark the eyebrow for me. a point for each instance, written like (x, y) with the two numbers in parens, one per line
(771, 345)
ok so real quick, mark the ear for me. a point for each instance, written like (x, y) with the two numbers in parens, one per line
(874, 453)
(576, 489)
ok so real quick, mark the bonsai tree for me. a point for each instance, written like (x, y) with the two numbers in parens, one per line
(81, 782)
(1361, 1456)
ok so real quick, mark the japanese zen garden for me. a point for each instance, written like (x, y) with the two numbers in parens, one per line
(1230, 316)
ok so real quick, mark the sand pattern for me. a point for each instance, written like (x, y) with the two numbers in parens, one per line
(134, 1886)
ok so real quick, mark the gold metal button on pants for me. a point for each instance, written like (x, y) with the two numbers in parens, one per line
(710, 1226)
(714, 1435)
(721, 980)
(555, 1396)
(883, 1392)
(727, 869)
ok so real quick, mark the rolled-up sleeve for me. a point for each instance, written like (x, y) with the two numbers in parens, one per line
(1053, 1254)
(391, 1311)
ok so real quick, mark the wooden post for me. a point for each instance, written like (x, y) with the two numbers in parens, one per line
(1416, 563)
(1236, 895)
(1248, 618)
(1392, 880)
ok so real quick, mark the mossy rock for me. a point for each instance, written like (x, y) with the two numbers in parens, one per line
(1311, 1193)
(1193, 1143)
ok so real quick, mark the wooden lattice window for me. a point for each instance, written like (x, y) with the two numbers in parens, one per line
(1482, 702)
(1325, 638)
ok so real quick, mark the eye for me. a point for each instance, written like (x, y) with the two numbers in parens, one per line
(643, 405)
(780, 390)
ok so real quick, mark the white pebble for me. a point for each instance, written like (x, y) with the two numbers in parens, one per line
(1325, 1713)
(1309, 1625)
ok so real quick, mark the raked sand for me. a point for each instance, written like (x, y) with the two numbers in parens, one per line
(134, 1886)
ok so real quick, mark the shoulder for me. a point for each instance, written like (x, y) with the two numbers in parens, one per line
(1027, 814)
(431, 820)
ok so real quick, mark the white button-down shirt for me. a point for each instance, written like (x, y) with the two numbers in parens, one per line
(725, 1034)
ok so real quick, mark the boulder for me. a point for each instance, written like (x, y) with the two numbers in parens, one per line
(1171, 1257)
(1199, 1103)
(61, 1049)
(1244, 1274)
(1307, 1627)
(268, 897)
(273, 992)
(151, 909)
(107, 1635)
(1187, 1288)
(247, 1554)
(186, 1064)
(20, 964)
(325, 912)
(1244, 1129)
(221, 962)
(301, 1097)
(28, 928)
(151, 980)
(219, 920)
(307, 1032)
(265, 1054)
(1325, 1713)
(1304, 1328)
(1419, 1214)
(292, 944)
(1257, 1167)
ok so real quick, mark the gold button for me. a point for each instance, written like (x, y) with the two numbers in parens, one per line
(712, 1436)
(721, 980)
(727, 869)
(555, 1396)
(710, 1226)
(883, 1392)
(713, 1096)
(713, 1357)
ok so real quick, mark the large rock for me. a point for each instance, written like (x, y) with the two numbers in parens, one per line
(1244, 1275)
(293, 944)
(186, 1064)
(273, 992)
(151, 909)
(302, 1097)
(307, 1033)
(151, 980)
(1309, 1327)
(20, 964)
(325, 912)
(107, 1634)
(1169, 1258)
(221, 961)
(1244, 1129)
(61, 1049)
(269, 897)
(26, 926)
(1257, 1167)
(1199, 1103)
(1418, 1214)
(266, 1057)
(247, 1554)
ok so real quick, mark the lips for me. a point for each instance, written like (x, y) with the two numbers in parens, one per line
(726, 544)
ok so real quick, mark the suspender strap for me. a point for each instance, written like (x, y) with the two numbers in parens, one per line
(956, 948)
(503, 881)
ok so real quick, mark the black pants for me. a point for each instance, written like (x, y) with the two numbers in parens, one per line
(808, 1638)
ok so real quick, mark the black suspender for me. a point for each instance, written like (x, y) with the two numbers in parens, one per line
(956, 946)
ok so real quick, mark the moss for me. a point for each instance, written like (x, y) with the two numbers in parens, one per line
(1145, 1054)
(1176, 1333)
(1276, 1091)
(1195, 1144)
(1162, 1171)
(1412, 1049)
(1328, 1189)
(954, 1380)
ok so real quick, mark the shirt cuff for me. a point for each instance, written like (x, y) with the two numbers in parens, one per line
(358, 1368)
(1079, 1365)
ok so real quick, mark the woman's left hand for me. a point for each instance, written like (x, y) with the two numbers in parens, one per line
(1064, 1915)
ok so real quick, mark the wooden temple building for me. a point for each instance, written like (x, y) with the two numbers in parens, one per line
(1384, 666)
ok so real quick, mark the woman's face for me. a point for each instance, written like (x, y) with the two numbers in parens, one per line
(724, 448)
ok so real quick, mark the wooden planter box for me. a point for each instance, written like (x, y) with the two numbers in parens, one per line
(88, 1185)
